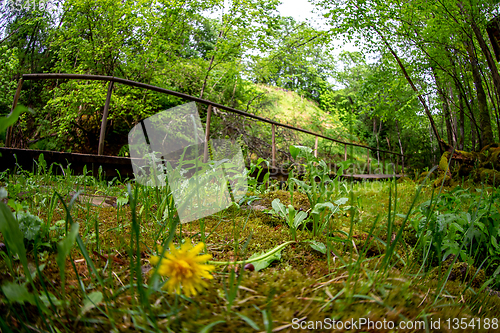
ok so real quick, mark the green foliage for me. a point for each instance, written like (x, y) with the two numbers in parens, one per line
(320, 194)
(297, 59)
(471, 233)
(290, 215)
(30, 225)
(9, 63)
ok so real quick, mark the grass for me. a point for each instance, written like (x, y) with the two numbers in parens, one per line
(90, 271)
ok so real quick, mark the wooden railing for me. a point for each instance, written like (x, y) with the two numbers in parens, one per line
(112, 80)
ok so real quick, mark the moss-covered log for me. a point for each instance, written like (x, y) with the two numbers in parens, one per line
(483, 166)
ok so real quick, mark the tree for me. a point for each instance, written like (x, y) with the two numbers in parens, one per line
(297, 59)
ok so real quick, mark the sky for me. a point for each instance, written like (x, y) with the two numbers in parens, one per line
(302, 10)
(298, 9)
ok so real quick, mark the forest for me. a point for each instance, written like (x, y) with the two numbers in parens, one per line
(416, 78)
(424, 78)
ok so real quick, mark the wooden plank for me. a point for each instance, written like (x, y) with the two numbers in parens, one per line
(112, 166)
(104, 121)
(207, 134)
(8, 138)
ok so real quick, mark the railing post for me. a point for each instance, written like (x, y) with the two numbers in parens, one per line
(403, 164)
(368, 160)
(207, 134)
(345, 151)
(384, 162)
(273, 161)
(8, 137)
(316, 147)
(104, 121)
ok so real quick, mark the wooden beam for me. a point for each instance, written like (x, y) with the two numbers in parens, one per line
(8, 137)
(105, 119)
(207, 133)
(345, 152)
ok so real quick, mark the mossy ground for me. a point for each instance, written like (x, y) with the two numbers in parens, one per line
(349, 282)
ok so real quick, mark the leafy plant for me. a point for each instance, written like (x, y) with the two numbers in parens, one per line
(253, 182)
(318, 186)
(294, 219)
(471, 234)
(30, 225)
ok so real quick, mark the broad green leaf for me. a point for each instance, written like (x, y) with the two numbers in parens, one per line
(299, 151)
(291, 215)
(302, 184)
(17, 293)
(64, 248)
(494, 242)
(12, 235)
(55, 301)
(319, 207)
(299, 219)
(341, 201)
(294, 151)
(261, 264)
(92, 300)
(279, 208)
(318, 246)
(121, 201)
(11, 118)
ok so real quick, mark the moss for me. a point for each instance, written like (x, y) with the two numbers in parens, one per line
(443, 162)
(439, 181)
(470, 156)
(300, 200)
(490, 176)
(405, 179)
(461, 272)
(303, 283)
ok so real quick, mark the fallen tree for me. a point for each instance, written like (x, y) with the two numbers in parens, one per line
(456, 166)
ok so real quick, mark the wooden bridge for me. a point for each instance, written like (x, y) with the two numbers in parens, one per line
(121, 166)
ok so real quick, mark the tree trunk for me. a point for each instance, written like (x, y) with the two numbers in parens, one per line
(484, 113)
(210, 66)
(461, 122)
(400, 146)
(443, 146)
(473, 139)
(446, 107)
(487, 53)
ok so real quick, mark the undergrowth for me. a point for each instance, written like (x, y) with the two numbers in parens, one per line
(77, 255)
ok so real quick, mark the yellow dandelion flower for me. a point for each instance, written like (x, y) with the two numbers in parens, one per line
(185, 268)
